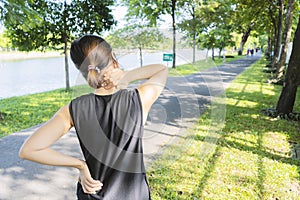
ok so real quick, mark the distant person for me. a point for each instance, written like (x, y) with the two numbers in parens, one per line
(109, 125)
(252, 52)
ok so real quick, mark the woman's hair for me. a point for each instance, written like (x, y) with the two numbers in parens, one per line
(91, 54)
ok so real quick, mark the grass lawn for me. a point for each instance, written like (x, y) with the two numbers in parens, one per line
(250, 158)
(30, 110)
(199, 66)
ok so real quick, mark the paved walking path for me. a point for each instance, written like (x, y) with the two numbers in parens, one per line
(184, 99)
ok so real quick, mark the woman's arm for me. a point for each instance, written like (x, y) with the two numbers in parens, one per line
(37, 148)
(151, 89)
(156, 75)
(145, 72)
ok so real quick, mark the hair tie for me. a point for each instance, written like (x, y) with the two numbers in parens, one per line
(92, 67)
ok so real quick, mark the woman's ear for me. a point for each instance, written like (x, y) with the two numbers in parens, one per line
(115, 64)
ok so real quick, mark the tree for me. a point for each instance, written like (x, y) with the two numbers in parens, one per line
(58, 23)
(141, 38)
(117, 40)
(137, 36)
(193, 25)
(152, 10)
(287, 97)
(286, 38)
(15, 10)
(278, 33)
(208, 41)
(216, 26)
(217, 38)
(247, 18)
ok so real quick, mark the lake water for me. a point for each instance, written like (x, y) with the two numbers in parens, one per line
(38, 75)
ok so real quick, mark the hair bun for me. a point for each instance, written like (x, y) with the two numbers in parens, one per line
(92, 67)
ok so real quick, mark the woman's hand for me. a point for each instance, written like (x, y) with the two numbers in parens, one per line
(89, 185)
(117, 77)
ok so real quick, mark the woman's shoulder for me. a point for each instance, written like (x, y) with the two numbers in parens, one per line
(82, 98)
(128, 92)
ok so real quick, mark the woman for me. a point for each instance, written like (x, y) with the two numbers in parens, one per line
(109, 125)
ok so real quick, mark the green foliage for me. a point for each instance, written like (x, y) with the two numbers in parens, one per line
(141, 37)
(116, 39)
(151, 10)
(191, 25)
(252, 157)
(210, 23)
(258, 16)
(4, 41)
(17, 10)
(90, 17)
(55, 22)
(136, 36)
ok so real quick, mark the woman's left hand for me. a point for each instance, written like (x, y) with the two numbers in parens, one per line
(89, 185)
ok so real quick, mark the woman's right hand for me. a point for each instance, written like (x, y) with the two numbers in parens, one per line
(117, 77)
(89, 185)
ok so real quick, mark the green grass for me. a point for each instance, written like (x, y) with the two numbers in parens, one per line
(30, 110)
(201, 65)
(250, 158)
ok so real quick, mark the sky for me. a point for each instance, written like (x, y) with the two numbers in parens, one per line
(119, 13)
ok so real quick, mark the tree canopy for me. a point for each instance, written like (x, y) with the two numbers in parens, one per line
(55, 21)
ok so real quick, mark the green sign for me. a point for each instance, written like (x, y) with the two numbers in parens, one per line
(167, 57)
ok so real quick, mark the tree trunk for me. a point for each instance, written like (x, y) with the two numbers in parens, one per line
(213, 53)
(206, 56)
(194, 47)
(278, 35)
(270, 45)
(141, 56)
(220, 52)
(66, 63)
(174, 33)
(244, 40)
(65, 40)
(273, 30)
(287, 37)
(194, 34)
(287, 98)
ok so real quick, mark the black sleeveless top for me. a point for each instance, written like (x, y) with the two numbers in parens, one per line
(110, 130)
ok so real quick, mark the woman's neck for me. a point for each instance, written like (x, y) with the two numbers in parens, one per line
(102, 91)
